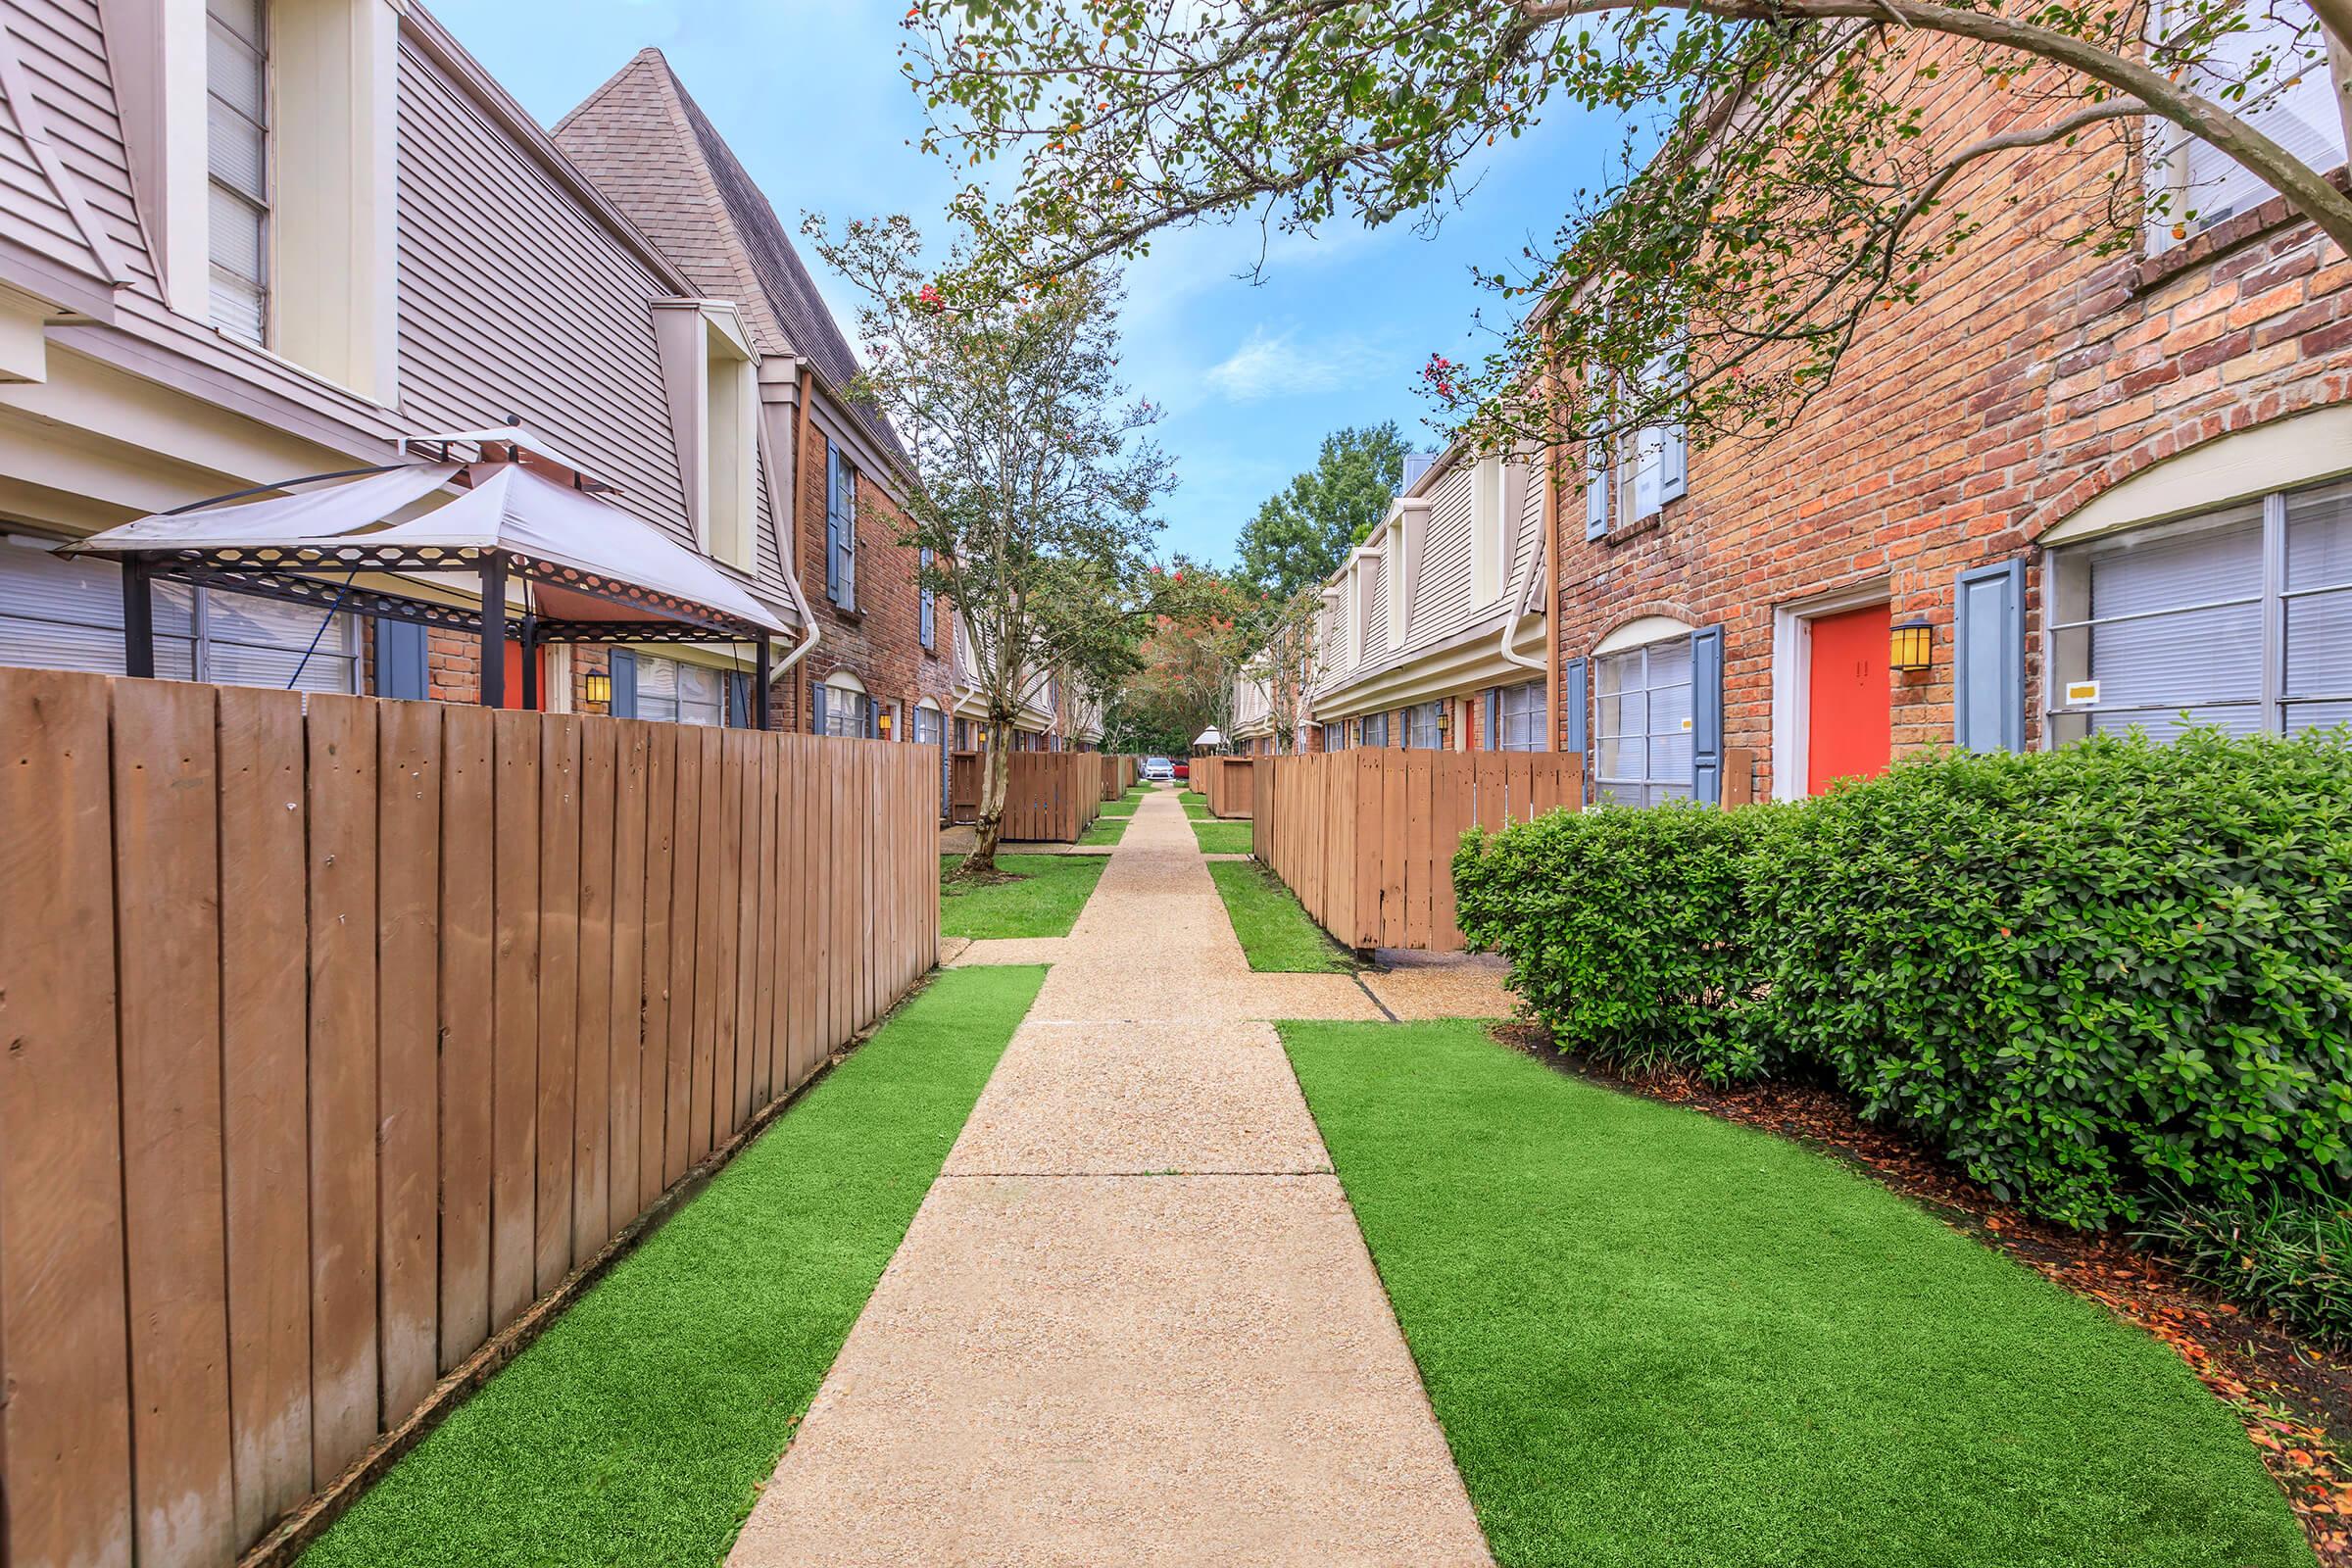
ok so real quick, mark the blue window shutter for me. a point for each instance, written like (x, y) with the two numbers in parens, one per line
(624, 684)
(399, 659)
(739, 700)
(817, 707)
(1573, 706)
(1597, 489)
(832, 522)
(1706, 715)
(1491, 735)
(1674, 467)
(1989, 659)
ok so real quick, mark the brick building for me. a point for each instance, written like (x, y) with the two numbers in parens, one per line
(2107, 489)
(884, 662)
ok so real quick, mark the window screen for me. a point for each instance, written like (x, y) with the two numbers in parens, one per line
(67, 614)
(1421, 732)
(2208, 187)
(1519, 717)
(2240, 618)
(1643, 723)
(237, 80)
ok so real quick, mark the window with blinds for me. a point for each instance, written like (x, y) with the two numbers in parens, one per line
(2289, 102)
(1373, 729)
(2240, 618)
(679, 693)
(1519, 718)
(1641, 711)
(1421, 728)
(67, 614)
(1335, 737)
(237, 82)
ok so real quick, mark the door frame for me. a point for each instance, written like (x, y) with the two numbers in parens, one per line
(1793, 674)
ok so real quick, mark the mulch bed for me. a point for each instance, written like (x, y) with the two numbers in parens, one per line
(2294, 1398)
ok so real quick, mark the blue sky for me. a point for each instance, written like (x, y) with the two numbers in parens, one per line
(808, 94)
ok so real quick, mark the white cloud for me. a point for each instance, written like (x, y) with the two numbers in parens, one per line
(1276, 364)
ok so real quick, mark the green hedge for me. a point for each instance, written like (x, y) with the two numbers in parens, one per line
(2079, 973)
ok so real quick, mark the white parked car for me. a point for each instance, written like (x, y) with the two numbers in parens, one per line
(1160, 770)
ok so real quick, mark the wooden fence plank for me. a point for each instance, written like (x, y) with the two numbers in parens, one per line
(559, 995)
(62, 1322)
(685, 884)
(720, 935)
(772, 851)
(661, 878)
(627, 1011)
(592, 1072)
(717, 857)
(1449, 783)
(264, 1130)
(167, 873)
(1420, 881)
(409, 1051)
(468, 1025)
(515, 1047)
(344, 1375)
(745, 992)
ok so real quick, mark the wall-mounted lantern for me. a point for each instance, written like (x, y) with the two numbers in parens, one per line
(598, 687)
(1912, 646)
(1444, 718)
(882, 723)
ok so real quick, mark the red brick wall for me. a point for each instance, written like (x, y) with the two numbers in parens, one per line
(2028, 378)
(881, 643)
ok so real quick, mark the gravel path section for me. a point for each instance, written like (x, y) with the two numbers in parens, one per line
(1133, 1321)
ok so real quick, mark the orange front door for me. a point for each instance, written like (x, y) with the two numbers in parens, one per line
(1849, 709)
(514, 660)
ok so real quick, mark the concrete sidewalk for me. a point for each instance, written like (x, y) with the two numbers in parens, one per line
(1133, 1321)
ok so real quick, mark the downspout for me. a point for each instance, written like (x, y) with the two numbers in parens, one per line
(778, 469)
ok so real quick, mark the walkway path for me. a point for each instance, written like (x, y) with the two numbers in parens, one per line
(1133, 1321)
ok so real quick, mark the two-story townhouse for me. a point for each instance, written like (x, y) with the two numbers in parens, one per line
(1432, 633)
(883, 665)
(2059, 494)
(1035, 713)
(250, 240)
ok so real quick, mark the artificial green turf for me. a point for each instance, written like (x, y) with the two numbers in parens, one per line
(1042, 902)
(1120, 808)
(1274, 929)
(1196, 806)
(1222, 838)
(639, 1426)
(1103, 830)
(1659, 1338)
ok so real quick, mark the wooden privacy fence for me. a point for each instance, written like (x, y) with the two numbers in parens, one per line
(1366, 837)
(336, 1037)
(1049, 797)
(1118, 776)
(1228, 782)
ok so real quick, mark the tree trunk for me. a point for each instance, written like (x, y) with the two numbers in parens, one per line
(995, 770)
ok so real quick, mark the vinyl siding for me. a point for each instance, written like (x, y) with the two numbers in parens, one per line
(513, 300)
(1376, 618)
(61, 43)
(1445, 605)
(1527, 551)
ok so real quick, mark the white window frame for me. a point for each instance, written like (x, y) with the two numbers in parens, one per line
(1366, 727)
(1793, 676)
(221, 35)
(2272, 702)
(1646, 784)
(1537, 702)
(2172, 148)
(1424, 729)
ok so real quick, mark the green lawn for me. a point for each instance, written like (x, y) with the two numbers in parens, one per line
(1222, 838)
(1123, 807)
(1656, 1339)
(1105, 830)
(1043, 900)
(1196, 806)
(1273, 927)
(639, 1427)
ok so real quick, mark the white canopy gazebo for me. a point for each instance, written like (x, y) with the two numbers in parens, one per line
(592, 573)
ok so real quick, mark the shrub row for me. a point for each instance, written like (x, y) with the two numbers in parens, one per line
(2082, 974)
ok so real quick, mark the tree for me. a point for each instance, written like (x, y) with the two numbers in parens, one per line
(1033, 486)
(1289, 660)
(1190, 658)
(1782, 182)
(1301, 535)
